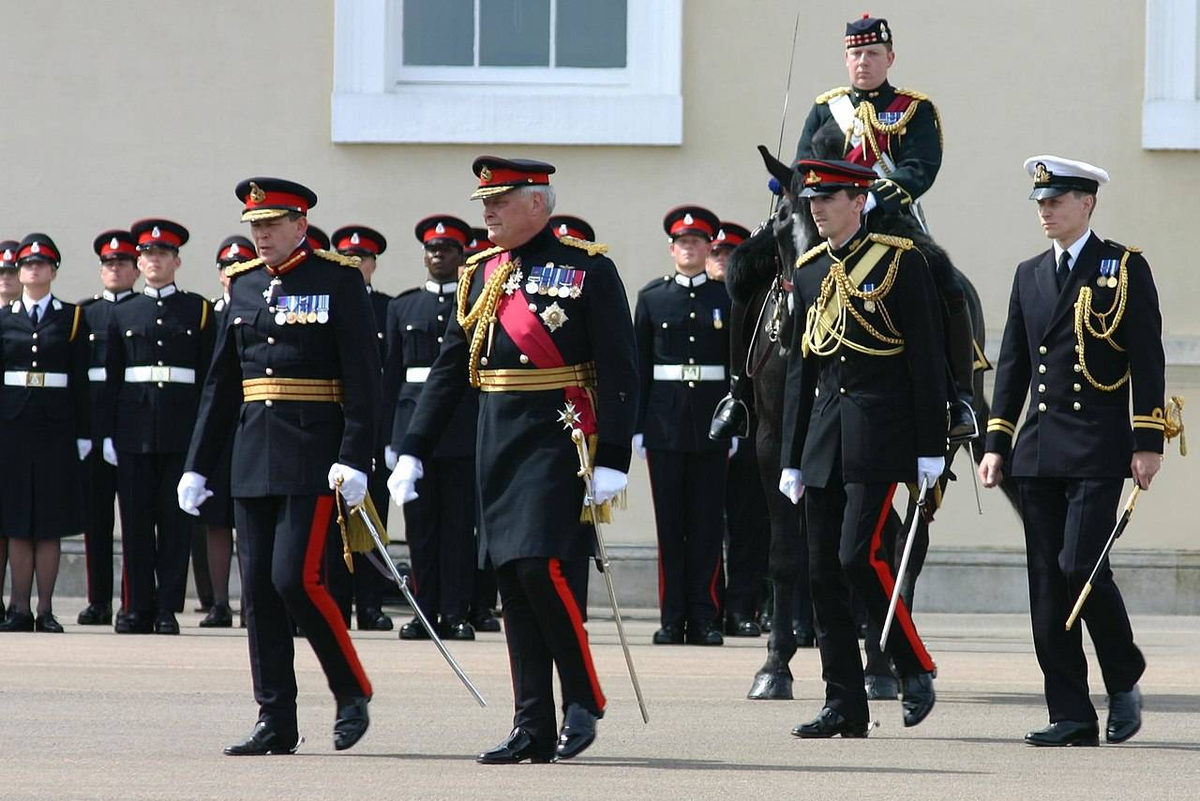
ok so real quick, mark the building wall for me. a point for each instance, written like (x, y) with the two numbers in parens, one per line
(119, 110)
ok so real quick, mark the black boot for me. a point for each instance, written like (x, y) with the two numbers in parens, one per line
(731, 418)
(960, 356)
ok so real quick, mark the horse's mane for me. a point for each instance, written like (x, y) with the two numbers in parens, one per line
(751, 265)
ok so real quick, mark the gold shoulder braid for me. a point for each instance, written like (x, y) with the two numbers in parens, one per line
(485, 307)
(1083, 322)
(243, 267)
(865, 112)
(811, 254)
(592, 248)
(825, 323)
(338, 258)
(837, 91)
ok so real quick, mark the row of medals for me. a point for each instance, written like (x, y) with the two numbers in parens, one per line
(288, 318)
(536, 287)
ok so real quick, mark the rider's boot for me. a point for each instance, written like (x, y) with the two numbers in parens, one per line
(960, 355)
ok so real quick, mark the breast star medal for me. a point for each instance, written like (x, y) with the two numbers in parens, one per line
(568, 416)
(553, 316)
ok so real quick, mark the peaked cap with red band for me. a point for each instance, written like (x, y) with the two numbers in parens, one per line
(8, 254)
(38, 247)
(115, 244)
(444, 227)
(497, 175)
(478, 242)
(566, 225)
(234, 249)
(156, 233)
(730, 235)
(821, 177)
(316, 238)
(695, 220)
(867, 30)
(268, 198)
(358, 240)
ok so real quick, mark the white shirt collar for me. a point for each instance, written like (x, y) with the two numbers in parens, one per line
(166, 292)
(1073, 250)
(42, 304)
(690, 281)
(448, 288)
(113, 297)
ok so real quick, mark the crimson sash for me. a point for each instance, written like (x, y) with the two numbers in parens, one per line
(861, 154)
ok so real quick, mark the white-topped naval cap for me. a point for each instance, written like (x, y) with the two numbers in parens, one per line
(1054, 175)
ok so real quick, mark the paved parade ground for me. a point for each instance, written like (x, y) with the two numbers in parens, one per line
(89, 714)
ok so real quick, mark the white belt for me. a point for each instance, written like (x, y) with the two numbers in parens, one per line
(97, 374)
(23, 378)
(416, 375)
(689, 372)
(157, 374)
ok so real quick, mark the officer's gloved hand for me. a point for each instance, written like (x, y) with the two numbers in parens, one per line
(733, 446)
(389, 457)
(638, 447)
(352, 483)
(84, 446)
(191, 492)
(607, 484)
(109, 450)
(791, 484)
(402, 483)
(929, 470)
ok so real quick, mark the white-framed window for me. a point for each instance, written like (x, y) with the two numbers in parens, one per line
(1171, 107)
(598, 72)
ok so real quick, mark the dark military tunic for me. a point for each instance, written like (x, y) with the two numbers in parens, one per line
(218, 510)
(44, 408)
(1075, 446)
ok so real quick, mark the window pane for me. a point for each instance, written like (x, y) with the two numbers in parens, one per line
(514, 33)
(590, 33)
(439, 33)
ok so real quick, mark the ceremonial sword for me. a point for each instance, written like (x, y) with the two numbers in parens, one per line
(585, 472)
(908, 544)
(1117, 531)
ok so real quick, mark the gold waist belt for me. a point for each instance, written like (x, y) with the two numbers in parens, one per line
(535, 379)
(310, 390)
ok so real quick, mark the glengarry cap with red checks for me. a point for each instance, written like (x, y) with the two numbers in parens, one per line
(235, 249)
(358, 240)
(444, 228)
(867, 30)
(158, 233)
(566, 225)
(267, 198)
(115, 244)
(8, 254)
(38, 247)
(497, 175)
(730, 235)
(821, 177)
(695, 220)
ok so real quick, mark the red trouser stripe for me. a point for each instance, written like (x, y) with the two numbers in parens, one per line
(319, 594)
(886, 580)
(714, 584)
(568, 601)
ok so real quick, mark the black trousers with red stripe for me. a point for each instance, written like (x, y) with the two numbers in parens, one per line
(156, 535)
(100, 493)
(544, 630)
(282, 542)
(689, 505)
(845, 528)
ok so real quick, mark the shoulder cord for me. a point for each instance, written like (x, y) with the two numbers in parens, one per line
(1083, 322)
(823, 338)
(483, 311)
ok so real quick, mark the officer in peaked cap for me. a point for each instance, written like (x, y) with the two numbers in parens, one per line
(683, 364)
(477, 243)
(567, 225)
(440, 524)
(295, 381)
(117, 252)
(729, 236)
(1084, 342)
(10, 285)
(317, 239)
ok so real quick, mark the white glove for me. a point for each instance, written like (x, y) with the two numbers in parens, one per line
(390, 457)
(85, 447)
(191, 492)
(353, 482)
(403, 480)
(638, 447)
(871, 203)
(929, 469)
(607, 484)
(791, 484)
(733, 446)
(110, 451)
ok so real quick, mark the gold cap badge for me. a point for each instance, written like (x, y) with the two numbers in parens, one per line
(257, 195)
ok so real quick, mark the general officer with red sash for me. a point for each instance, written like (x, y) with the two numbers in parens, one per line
(543, 331)
(295, 381)
(863, 415)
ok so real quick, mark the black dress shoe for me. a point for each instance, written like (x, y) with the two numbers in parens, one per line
(134, 623)
(741, 626)
(918, 698)
(670, 634)
(48, 623)
(829, 723)
(486, 622)
(265, 740)
(1064, 733)
(456, 628)
(95, 615)
(351, 722)
(1124, 715)
(881, 688)
(165, 623)
(518, 747)
(413, 630)
(219, 616)
(577, 733)
(704, 634)
(17, 621)
(373, 619)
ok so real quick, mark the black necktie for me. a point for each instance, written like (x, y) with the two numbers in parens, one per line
(35, 314)
(1064, 269)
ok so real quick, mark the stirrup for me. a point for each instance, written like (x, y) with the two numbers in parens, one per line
(730, 419)
(960, 434)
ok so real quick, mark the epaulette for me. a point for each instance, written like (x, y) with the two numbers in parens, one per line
(831, 94)
(337, 258)
(892, 241)
(811, 254)
(243, 267)
(1116, 244)
(92, 299)
(592, 248)
(484, 255)
(913, 93)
